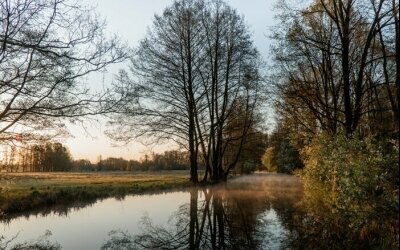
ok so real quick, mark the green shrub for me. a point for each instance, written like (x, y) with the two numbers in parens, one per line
(356, 179)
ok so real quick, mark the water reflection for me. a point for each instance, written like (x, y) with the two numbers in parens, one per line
(245, 214)
(255, 212)
(42, 242)
(58, 209)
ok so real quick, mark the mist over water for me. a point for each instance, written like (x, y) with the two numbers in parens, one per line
(266, 181)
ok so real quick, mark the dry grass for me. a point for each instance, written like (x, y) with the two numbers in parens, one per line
(23, 181)
(24, 191)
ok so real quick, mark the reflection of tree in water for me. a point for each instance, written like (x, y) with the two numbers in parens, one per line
(267, 215)
(217, 218)
(219, 221)
(223, 220)
(316, 227)
(40, 243)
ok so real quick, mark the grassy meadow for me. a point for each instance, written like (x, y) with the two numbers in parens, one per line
(24, 191)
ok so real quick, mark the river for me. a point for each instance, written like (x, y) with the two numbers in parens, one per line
(250, 212)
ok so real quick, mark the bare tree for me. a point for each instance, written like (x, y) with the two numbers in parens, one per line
(46, 48)
(161, 92)
(231, 83)
(195, 66)
(336, 66)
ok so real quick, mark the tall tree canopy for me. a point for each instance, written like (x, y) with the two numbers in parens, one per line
(194, 72)
(46, 48)
(336, 66)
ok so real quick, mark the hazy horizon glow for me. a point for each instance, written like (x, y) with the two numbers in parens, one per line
(130, 19)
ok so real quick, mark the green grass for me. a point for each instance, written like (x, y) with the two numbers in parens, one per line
(25, 191)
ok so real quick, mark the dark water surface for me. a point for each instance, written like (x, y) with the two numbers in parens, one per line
(253, 212)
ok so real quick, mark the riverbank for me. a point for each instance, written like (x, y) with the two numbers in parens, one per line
(26, 191)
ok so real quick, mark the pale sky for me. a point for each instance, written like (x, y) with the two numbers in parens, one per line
(129, 19)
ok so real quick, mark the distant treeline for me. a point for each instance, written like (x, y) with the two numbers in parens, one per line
(169, 160)
(53, 157)
(46, 157)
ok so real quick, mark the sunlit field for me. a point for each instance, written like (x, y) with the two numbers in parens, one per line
(21, 191)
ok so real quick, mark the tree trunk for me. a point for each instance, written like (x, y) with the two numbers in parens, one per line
(348, 109)
(193, 219)
(397, 28)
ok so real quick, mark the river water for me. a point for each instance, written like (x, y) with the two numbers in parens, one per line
(250, 212)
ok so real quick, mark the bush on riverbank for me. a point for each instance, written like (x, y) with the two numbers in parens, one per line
(357, 182)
